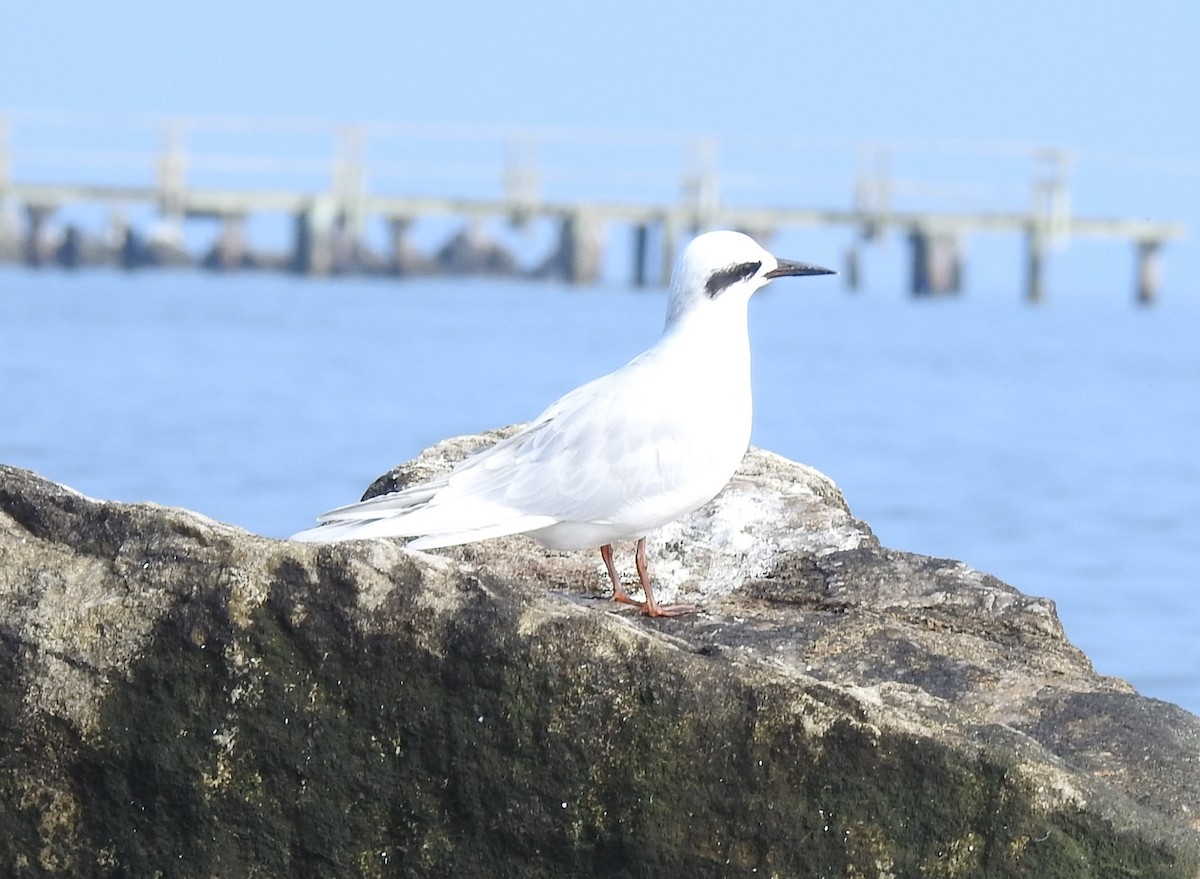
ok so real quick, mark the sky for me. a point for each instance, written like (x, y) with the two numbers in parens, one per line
(1112, 82)
(1106, 76)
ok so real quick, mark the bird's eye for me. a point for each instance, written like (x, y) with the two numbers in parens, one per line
(722, 278)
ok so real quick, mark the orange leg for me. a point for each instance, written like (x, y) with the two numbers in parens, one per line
(652, 608)
(619, 593)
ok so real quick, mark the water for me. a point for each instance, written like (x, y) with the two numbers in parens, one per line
(1057, 448)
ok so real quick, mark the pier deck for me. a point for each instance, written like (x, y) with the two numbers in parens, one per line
(333, 178)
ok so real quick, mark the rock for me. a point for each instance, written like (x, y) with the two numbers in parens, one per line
(182, 698)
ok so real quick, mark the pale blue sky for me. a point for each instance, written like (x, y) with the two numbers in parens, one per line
(1108, 80)
(1103, 76)
(1094, 75)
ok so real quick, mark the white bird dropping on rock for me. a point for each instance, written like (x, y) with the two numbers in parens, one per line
(619, 456)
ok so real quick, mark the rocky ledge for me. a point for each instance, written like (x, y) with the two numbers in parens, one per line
(182, 698)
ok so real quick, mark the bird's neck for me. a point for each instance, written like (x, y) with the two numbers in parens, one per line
(705, 362)
(715, 336)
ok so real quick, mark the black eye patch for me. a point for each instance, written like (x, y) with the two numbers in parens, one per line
(722, 278)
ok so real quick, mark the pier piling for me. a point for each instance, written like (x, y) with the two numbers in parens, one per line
(580, 249)
(312, 252)
(671, 225)
(641, 253)
(936, 263)
(403, 258)
(851, 268)
(1148, 271)
(1035, 253)
(37, 250)
(230, 250)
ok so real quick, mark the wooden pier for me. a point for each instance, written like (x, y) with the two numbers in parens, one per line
(333, 180)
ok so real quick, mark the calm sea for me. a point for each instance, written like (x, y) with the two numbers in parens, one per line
(1057, 448)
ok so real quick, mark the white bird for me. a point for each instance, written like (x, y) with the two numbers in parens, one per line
(618, 456)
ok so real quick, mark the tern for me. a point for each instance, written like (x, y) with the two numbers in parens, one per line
(619, 456)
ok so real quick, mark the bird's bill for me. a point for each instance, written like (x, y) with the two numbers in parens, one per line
(789, 269)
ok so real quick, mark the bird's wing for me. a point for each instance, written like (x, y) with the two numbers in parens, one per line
(589, 457)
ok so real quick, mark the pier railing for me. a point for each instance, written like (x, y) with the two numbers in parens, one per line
(335, 178)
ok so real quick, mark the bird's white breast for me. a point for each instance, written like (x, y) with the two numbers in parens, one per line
(682, 432)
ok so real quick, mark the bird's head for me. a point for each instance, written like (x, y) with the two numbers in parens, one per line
(727, 267)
